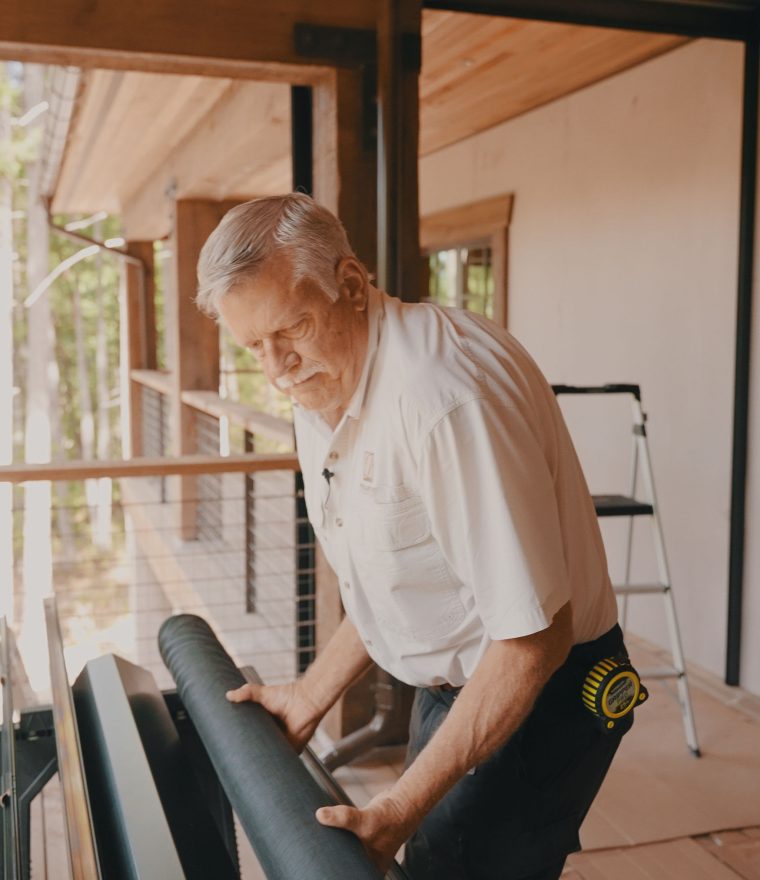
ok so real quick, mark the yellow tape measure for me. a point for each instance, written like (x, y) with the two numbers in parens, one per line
(611, 690)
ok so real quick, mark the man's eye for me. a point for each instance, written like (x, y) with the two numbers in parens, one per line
(255, 347)
(298, 330)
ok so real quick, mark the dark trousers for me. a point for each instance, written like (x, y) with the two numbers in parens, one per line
(517, 816)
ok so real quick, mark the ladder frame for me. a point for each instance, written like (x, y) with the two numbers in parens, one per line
(641, 466)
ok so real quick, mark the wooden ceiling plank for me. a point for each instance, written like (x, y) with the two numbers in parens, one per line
(99, 90)
(460, 47)
(178, 104)
(511, 71)
(113, 128)
(530, 87)
(246, 134)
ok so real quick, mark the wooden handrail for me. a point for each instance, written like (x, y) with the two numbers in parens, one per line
(263, 424)
(186, 465)
(158, 380)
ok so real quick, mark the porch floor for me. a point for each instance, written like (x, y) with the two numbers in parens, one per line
(686, 819)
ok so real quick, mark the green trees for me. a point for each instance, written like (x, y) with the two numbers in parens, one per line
(59, 383)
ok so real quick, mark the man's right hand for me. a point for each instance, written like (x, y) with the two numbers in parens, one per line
(298, 715)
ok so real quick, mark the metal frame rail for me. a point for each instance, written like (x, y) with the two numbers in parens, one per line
(11, 830)
(80, 838)
(28, 763)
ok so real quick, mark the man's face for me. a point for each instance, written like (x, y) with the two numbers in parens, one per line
(309, 347)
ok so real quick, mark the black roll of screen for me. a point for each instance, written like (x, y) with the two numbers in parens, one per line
(269, 788)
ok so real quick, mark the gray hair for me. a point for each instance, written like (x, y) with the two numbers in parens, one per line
(249, 234)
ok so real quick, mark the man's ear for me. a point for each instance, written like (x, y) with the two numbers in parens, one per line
(353, 282)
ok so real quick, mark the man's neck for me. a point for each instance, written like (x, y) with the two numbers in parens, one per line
(333, 417)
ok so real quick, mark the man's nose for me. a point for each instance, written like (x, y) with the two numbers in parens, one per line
(279, 357)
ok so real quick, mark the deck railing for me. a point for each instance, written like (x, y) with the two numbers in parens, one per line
(254, 580)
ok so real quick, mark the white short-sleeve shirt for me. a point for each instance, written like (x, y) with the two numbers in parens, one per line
(457, 512)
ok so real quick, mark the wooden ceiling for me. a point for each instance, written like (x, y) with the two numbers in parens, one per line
(478, 70)
(138, 139)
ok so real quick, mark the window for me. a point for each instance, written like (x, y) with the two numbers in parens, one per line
(462, 277)
(465, 257)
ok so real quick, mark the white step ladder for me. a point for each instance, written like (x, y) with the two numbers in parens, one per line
(629, 506)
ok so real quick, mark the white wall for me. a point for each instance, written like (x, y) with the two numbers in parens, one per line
(623, 261)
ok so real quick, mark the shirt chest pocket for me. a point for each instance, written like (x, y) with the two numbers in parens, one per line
(403, 573)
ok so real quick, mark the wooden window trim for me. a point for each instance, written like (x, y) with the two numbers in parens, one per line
(487, 220)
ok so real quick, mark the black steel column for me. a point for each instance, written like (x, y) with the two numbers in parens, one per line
(306, 631)
(692, 18)
(742, 363)
(301, 138)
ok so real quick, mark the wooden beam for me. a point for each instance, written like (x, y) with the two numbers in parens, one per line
(210, 37)
(138, 339)
(262, 424)
(158, 380)
(345, 156)
(345, 181)
(192, 342)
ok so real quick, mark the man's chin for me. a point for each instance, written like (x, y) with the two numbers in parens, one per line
(308, 397)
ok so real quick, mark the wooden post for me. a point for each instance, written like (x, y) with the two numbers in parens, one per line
(345, 181)
(138, 340)
(345, 156)
(192, 343)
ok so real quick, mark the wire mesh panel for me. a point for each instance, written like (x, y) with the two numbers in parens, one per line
(114, 596)
(306, 608)
(155, 428)
(209, 486)
(250, 531)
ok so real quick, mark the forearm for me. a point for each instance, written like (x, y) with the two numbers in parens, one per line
(342, 661)
(487, 711)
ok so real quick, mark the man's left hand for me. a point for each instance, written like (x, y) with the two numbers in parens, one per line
(381, 826)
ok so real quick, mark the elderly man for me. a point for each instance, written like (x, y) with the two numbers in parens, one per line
(445, 492)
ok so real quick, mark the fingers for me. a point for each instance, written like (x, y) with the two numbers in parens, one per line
(243, 693)
(340, 817)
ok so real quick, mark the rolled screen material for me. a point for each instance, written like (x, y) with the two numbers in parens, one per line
(270, 790)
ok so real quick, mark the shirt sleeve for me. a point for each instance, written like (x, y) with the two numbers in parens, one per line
(490, 496)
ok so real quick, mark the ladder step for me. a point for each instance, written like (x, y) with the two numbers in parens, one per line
(659, 672)
(639, 589)
(621, 505)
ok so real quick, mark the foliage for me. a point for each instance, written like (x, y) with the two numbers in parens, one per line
(90, 581)
(84, 278)
(19, 145)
